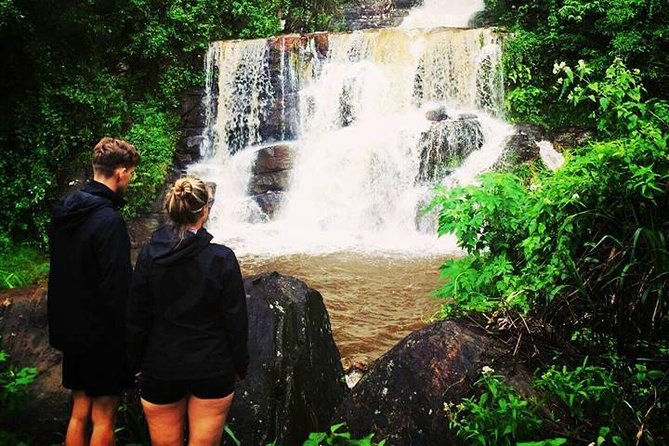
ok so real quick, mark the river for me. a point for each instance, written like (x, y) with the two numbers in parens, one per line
(373, 301)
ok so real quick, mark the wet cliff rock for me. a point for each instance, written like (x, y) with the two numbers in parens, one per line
(192, 116)
(522, 146)
(271, 175)
(377, 13)
(402, 396)
(447, 142)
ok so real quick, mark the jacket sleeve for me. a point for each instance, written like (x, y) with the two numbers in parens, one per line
(112, 251)
(235, 315)
(139, 313)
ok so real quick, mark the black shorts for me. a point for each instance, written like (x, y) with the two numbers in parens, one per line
(99, 373)
(159, 391)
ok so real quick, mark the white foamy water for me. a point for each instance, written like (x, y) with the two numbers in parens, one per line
(450, 13)
(361, 129)
(549, 156)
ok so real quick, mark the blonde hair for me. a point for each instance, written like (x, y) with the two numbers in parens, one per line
(186, 201)
(110, 153)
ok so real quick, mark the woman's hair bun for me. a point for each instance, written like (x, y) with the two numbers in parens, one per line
(182, 187)
(187, 200)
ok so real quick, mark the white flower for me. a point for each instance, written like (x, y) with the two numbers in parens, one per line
(487, 370)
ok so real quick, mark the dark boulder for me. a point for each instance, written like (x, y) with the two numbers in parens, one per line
(271, 173)
(521, 146)
(273, 159)
(446, 144)
(402, 396)
(192, 125)
(270, 181)
(368, 14)
(191, 110)
(570, 137)
(295, 378)
(438, 114)
(270, 202)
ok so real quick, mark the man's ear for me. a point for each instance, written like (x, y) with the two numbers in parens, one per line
(117, 174)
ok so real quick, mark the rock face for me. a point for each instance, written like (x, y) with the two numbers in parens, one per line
(270, 202)
(377, 13)
(192, 114)
(273, 159)
(270, 181)
(271, 176)
(402, 396)
(521, 146)
(447, 142)
(187, 151)
(295, 377)
(570, 137)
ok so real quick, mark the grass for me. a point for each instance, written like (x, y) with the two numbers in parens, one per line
(23, 265)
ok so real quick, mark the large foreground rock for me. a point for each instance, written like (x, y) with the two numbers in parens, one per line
(295, 379)
(402, 396)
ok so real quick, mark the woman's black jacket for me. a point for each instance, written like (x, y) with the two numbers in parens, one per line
(186, 316)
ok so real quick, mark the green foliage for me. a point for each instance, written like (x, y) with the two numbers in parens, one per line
(583, 250)
(585, 246)
(90, 69)
(569, 406)
(616, 100)
(21, 265)
(13, 392)
(544, 31)
(499, 416)
(153, 131)
(131, 429)
(586, 390)
(335, 437)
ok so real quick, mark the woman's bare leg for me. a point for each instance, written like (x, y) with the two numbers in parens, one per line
(206, 419)
(166, 422)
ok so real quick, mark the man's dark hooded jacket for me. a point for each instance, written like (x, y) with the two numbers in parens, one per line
(90, 272)
(187, 310)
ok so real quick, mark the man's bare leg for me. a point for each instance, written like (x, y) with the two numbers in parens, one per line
(81, 414)
(104, 417)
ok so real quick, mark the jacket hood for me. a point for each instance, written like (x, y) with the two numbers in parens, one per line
(75, 208)
(167, 247)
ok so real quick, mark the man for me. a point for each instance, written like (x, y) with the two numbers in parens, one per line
(88, 289)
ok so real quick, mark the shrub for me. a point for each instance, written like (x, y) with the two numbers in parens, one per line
(584, 247)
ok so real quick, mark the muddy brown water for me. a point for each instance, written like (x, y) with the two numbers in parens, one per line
(373, 301)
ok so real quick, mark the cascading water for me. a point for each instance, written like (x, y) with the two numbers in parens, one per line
(325, 148)
(375, 120)
(434, 13)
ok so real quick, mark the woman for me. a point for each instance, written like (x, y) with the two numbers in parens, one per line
(187, 323)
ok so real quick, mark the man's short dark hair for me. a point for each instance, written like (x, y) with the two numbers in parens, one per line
(111, 153)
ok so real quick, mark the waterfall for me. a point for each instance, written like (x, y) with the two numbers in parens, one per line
(434, 13)
(366, 124)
